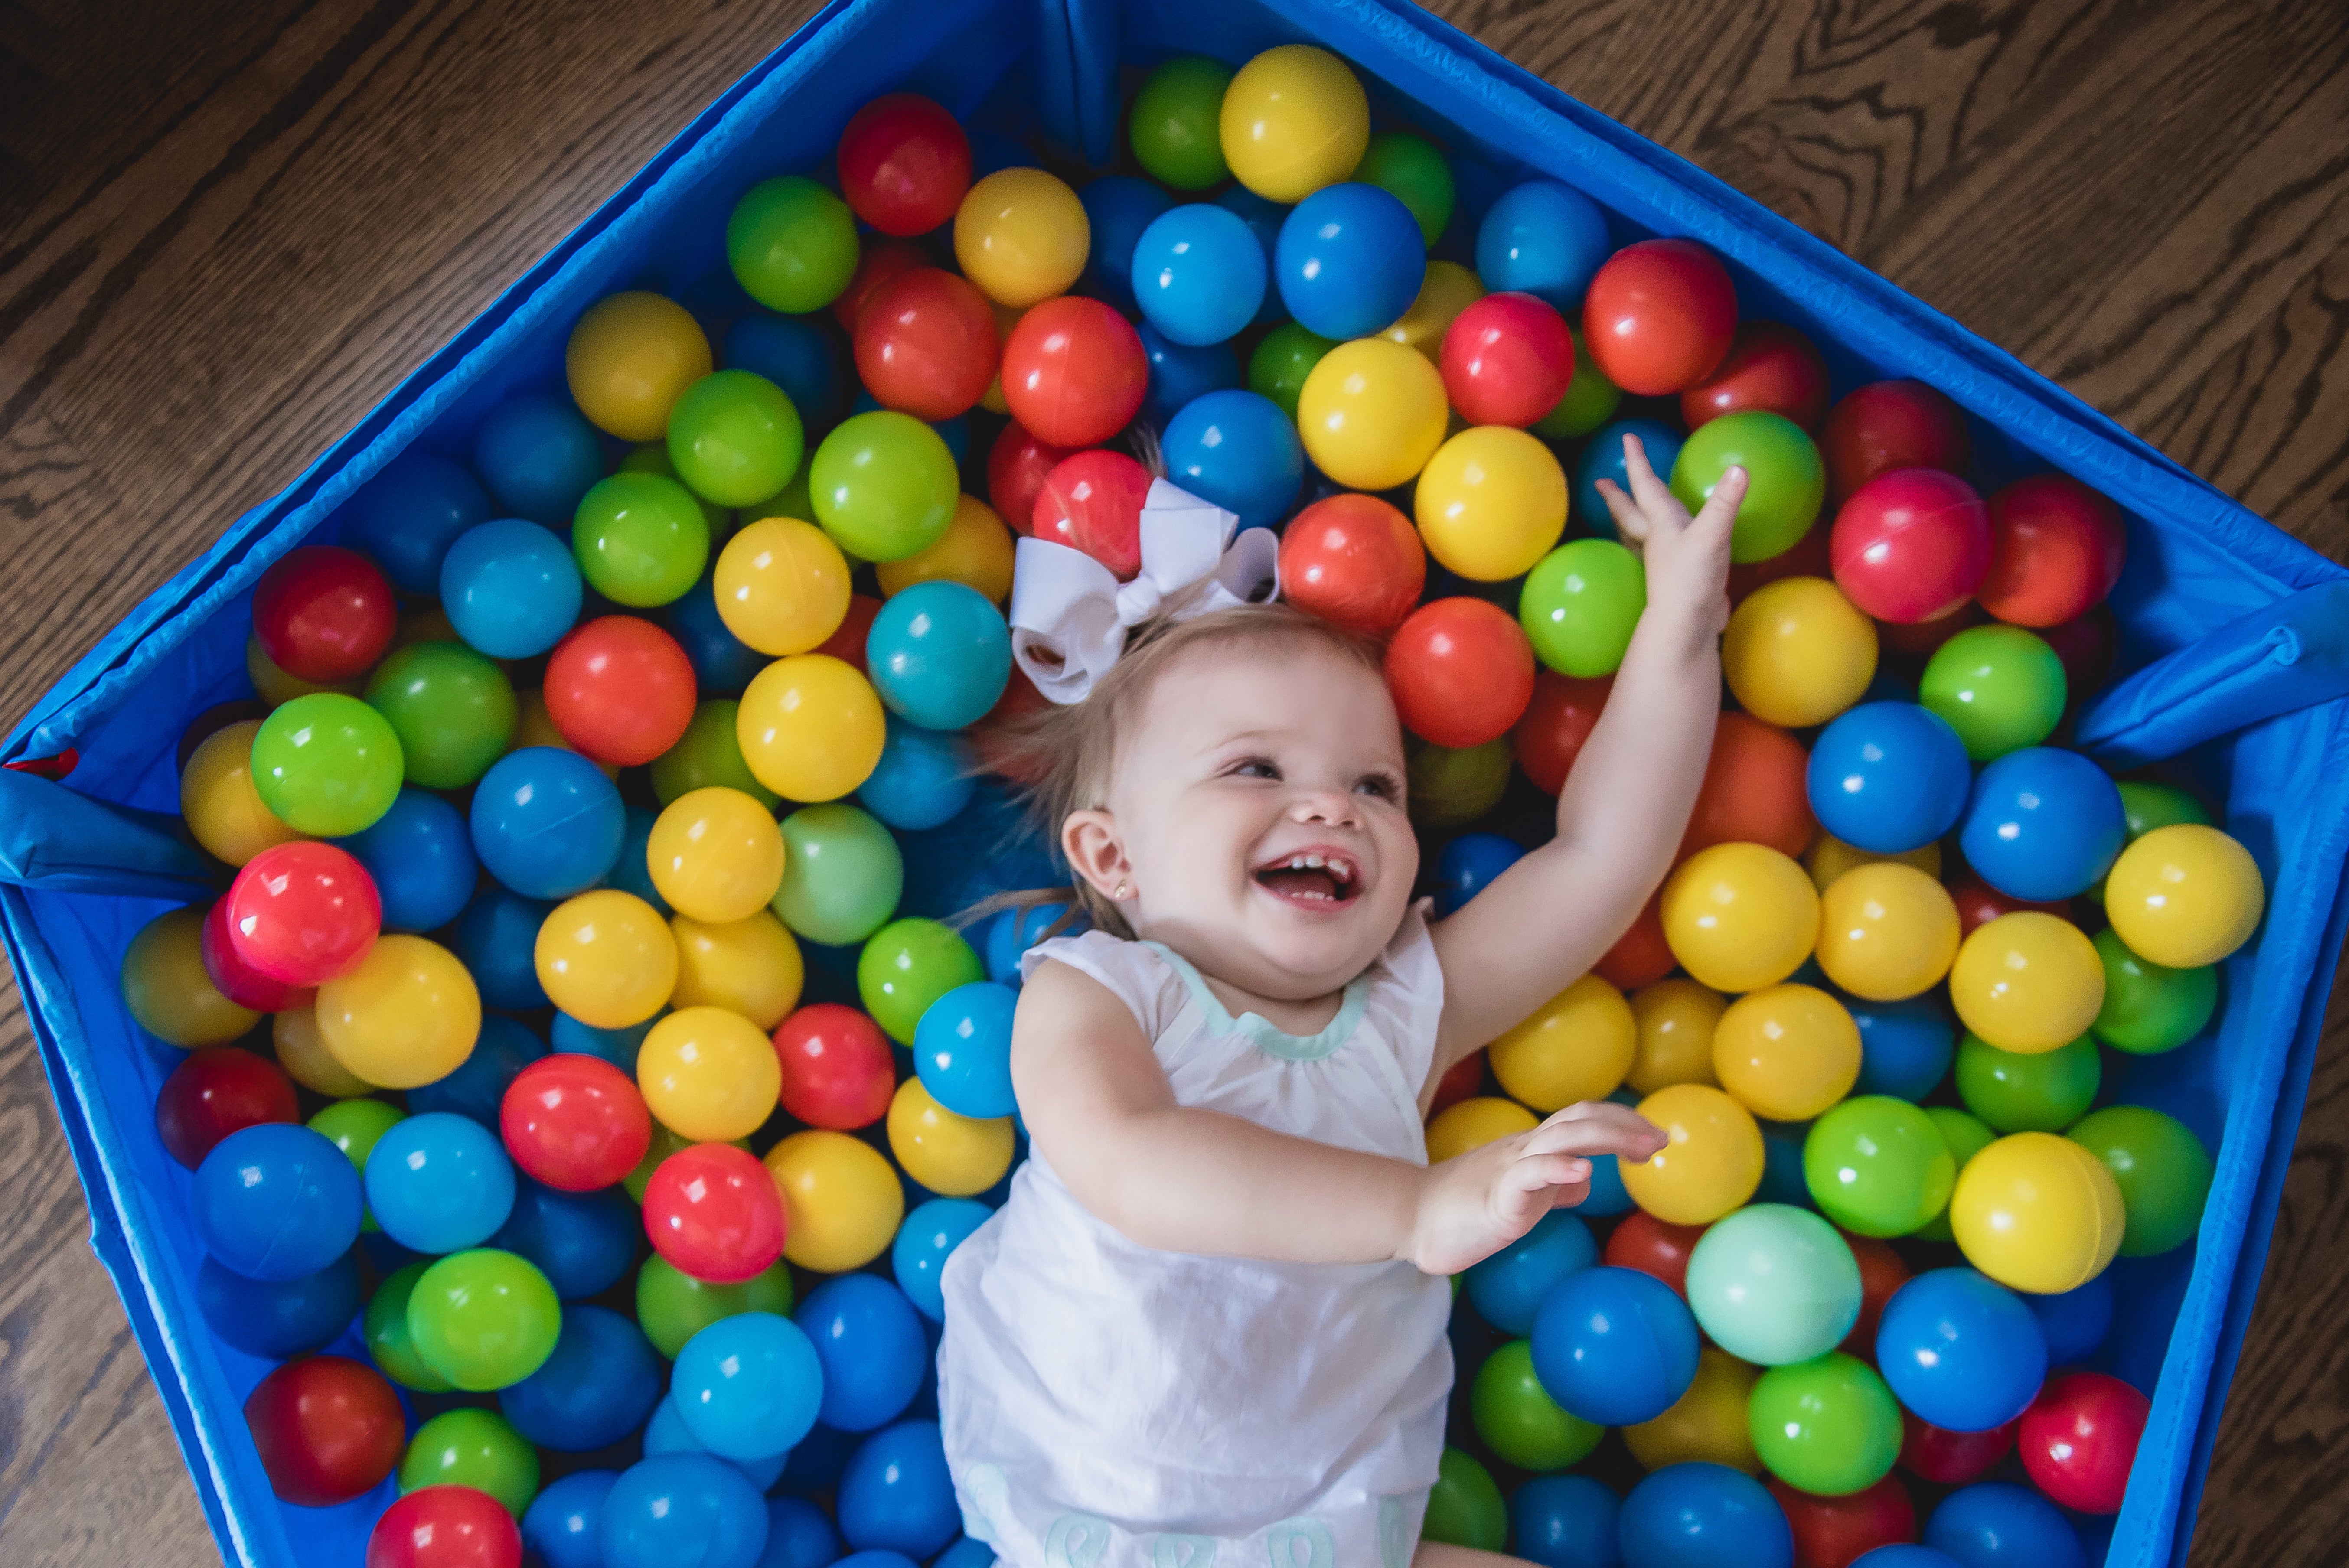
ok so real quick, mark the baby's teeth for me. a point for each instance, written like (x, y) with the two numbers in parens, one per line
(1313, 862)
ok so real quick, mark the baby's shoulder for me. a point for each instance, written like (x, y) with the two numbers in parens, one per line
(1134, 972)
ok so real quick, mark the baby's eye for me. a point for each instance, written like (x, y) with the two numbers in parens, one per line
(1255, 767)
(1379, 786)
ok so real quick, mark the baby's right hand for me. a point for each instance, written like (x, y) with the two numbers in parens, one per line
(1472, 1205)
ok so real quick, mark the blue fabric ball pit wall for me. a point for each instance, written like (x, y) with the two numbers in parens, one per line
(2237, 635)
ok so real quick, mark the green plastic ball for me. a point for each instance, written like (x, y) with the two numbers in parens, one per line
(735, 438)
(2149, 1009)
(1964, 1133)
(906, 966)
(843, 874)
(1877, 1165)
(479, 1449)
(452, 708)
(1451, 785)
(1414, 172)
(792, 244)
(1176, 126)
(1580, 604)
(708, 754)
(2001, 688)
(652, 458)
(1774, 1284)
(484, 1319)
(1278, 369)
(1788, 481)
(1829, 1427)
(1518, 1418)
(385, 1330)
(2162, 1170)
(2146, 805)
(1589, 401)
(1464, 1506)
(326, 764)
(640, 540)
(2015, 1092)
(673, 1307)
(353, 1126)
(793, 500)
(884, 486)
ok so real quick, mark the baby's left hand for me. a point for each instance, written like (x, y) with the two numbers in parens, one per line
(1687, 558)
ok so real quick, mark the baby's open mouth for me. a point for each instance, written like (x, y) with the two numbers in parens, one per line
(1311, 879)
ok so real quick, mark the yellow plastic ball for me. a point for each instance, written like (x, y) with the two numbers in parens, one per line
(1451, 785)
(1021, 236)
(629, 357)
(842, 1201)
(1491, 503)
(429, 625)
(1887, 932)
(1474, 1123)
(1798, 652)
(1575, 1046)
(606, 958)
(1786, 1052)
(168, 991)
(1675, 1019)
(1371, 413)
(533, 726)
(1706, 1425)
(408, 1016)
(217, 797)
(954, 1156)
(975, 550)
(1829, 857)
(2027, 981)
(1294, 119)
(1711, 1161)
(781, 586)
(302, 1052)
(750, 966)
(709, 1073)
(2185, 896)
(1740, 916)
(1445, 290)
(276, 687)
(2037, 1213)
(811, 727)
(716, 855)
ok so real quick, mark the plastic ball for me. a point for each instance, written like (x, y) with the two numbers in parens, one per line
(794, 354)
(628, 360)
(1468, 865)
(1962, 1352)
(2079, 1440)
(870, 1346)
(1021, 235)
(2185, 895)
(301, 913)
(940, 654)
(1889, 425)
(168, 991)
(2027, 981)
(1074, 373)
(2037, 1213)
(1876, 1526)
(1591, 401)
(1787, 483)
(1770, 368)
(1293, 121)
(976, 550)
(406, 1015)
(2043, 824)
(1507, 359)
(483, 1319)
(439, 1182)
(842, 1197)
(674, 1307)
(1575, 1046)
(1237, 450)
(1092, 502)
(1798, 652)
(510, 588)
(1911, 545)
(575, 1122)
(606, 958)
(883, 485)
(843, 874)
(927, 344)
(1888, 931)
(1119, 207)
(1281, 361)
(1173, 127)
(1707, 1424)
(1447, 289)
(905, 164)
(327, 1428)
(406, 516)
(1889, 777)
(384, 1331)
(326, 764)
(716, 855)
(1603, 459)
(1740, 916)
(713, 1214)
(2000, 687)
(791, 245)
(749, 1386)
(451, 708)
(1565, 1521)
(749, 966)
(2044, 1091)
(924, 779)
(905, 966)
(1461, 671)
(1753, 792)
(1786, 1052)
(1015, 469)
(583, 1242)
(962, 1050)
(1509, 1287)
(1518, 1418)
(1491, 503)
(1997, 1524)
(780, 586)
(546, 823)
(1700, 1515)
(1675, 1020)
(560, 1524)
(539, 457)
(707, 756)
(1774, 1284)
(279, 1318)
(1450, 786)
(322, 614)
(619, 690)
(1474, 1122)
(917, 1257)
(1371, 414)
(681, 1507)
(2057, 548)
(734, 439)
(1614, 1345)
(1414, 172)
(1711, 1160)
(709, 1073)
(1353, 559)
(1877, 1166)
(445, 1527)
(2076, 1321)
(895, 1496)
(217, 797)
(1199, 275)
(1350, 260)
(1543, 239)
(2162, 1169)
(1659, 316)
(953, 1155)
(1828, 1426)
(811, 727)
(1558, 720)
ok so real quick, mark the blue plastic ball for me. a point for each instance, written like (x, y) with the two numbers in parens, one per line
(1507, 1288)
(1602, 459)
(279, 1318)
(800, 1535)
(408, 514)
(617, 1047)
(1198, 274)
(965, 1552)
(511, 588)
(924, 779)
(2043, 824)
(439, 1182)
(1468, 863)
(1614, 1345)
(1180, 375)
(681, 1508)
(723, 664)
(1905, 1554)
(560, 1524)
(1905, 1048)
(1012, 932)
(962, 1050)
(1609, 1196)
(896, 1494)
(1890, 776)
(1264, 218)
(1699, 1515)
(794, 353)
(869, 1342)
(538, 455)
(497, 938)
(546, 821)
(477, 1089)
(1566, 1522)
(631, 872)
(1783, 1181)
(2075, 1322)
(422, 858)
(667, 1433)
(815, 1466)
(1351, 260)
(876, 1559)
(1543, 239)
(1961, 1351)
(600, 1384)
(1119, 210)
(927, 1238)
(1238, 450)
(275, 1202)
(747, 1386)
(584, 1243)
(939, 653)
(1998, 1525)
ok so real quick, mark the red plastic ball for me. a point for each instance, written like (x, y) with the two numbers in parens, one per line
(2079, 1438)
(620, 690)
(995, 742)
(1460, 1081)
(1910, 545)
(905, 164)
(445, 1527)
(2086, 646)
(927, 344)
(1919, 639)
(1755, 790)
(233, 977)
(1835, 1531)
(1951, 1459)
(875, 266)
(1659, 316)
(1641, 956)
(302, 913)
(1074, 371)
(1562, 713)
(713, 1212)
(2057, 548)
(1092, 501)
(324, 614)
(328, 1429)
(1507, 360)
(217, 1093)
(1881, 1273)
(1889, 425)
(1770, 368)
(1355, 561)
(846, 643)
(1462, 671)
(1016, 467)
(575, 1122)
(1807, 557)
(1979, 904)
(1642, 1242)
(838, 1069)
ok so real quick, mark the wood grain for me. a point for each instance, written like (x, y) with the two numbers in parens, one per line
(227, 229)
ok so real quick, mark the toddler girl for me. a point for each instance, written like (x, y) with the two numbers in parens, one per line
(1207, 1326)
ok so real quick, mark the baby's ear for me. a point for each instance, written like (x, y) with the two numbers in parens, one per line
(1095, 851)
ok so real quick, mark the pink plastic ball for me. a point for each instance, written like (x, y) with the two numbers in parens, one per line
(1911, 545)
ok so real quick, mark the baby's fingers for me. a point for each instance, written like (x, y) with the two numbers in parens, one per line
(1719, 514)
(1630, 521)
(1599, 1127)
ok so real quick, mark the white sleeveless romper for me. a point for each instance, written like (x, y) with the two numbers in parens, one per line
(1107, 1405)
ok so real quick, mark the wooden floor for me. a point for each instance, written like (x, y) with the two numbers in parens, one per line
(228, 226)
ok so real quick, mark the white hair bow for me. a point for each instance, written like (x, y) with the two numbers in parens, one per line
(1069, 613)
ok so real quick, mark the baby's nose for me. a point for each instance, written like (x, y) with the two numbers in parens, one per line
(1336, 807)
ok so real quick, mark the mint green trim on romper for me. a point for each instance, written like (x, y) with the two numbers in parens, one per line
(1272, 1041)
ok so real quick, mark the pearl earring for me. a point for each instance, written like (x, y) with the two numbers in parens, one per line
(1118, 895)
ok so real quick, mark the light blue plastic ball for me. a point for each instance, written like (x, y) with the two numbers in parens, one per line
(747, 1386)
(939, 654)
(538, 455)
(1238, 450)
(1543, 239)
(546, 823)
(677, 1508)
(511, 588)
(962, 1050)
(924, 779)
(927, 1238)
(1198, 274)
(439, 1182)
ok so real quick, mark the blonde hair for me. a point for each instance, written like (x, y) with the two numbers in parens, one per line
(1066, 756)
